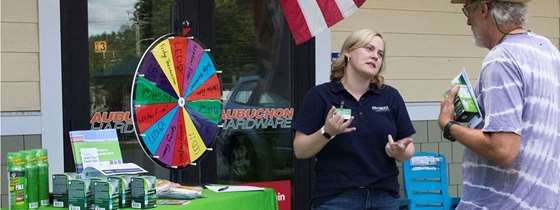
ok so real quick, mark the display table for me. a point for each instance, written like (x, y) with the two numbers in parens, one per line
(259, 200)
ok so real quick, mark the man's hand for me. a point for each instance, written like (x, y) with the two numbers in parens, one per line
(447, 111)
(397, 149)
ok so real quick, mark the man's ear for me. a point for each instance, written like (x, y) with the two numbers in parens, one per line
(485, 10)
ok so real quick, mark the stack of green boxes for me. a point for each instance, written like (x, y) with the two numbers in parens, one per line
(28, 179)
(103, 193)
(143, 192)
(80, 193)
(60, 188)
(29, 187)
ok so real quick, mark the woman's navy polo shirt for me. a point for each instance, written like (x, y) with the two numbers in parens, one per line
(356, 159)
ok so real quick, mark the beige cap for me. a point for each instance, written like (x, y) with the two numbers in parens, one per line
(514, 1)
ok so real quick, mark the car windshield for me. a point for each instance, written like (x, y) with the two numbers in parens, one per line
(269, 99)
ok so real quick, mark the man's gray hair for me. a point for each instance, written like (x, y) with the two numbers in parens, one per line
(508, 13)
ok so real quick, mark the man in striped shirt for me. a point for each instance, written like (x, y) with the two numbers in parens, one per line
(512, 161)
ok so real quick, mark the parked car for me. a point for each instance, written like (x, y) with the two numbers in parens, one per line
(255, 146)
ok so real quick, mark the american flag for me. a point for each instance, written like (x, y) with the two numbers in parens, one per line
(307, 18)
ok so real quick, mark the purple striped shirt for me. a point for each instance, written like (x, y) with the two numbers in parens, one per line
(518, 92)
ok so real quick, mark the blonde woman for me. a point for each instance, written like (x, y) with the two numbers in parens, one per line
(348, 124)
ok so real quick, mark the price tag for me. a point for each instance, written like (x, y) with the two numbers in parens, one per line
(58, 204)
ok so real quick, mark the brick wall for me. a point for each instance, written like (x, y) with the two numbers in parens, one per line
(428, 138)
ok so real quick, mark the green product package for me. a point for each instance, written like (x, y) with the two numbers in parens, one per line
(32, 179)
(60, 188)
(106, 194)
(124, 182)
(143, 192)
(43, 176)
(17, 181)
(465, 103)
(465, 107)
(80, 194)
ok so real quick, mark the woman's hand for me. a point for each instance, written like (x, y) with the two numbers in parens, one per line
(307, 145)
(400, 150)
(335, 123)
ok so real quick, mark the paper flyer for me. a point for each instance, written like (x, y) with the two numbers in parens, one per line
(232, 188)
(113, 169)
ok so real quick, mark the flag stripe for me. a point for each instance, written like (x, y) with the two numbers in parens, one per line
(307, 18)
(359, 2)
(313, 16)
(346, 7)
(330, 11)
(296, 20)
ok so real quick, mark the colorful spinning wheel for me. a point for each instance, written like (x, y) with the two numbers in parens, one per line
(176, 104)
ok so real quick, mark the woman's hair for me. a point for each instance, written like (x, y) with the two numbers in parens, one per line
(357, 39)
(509, 13)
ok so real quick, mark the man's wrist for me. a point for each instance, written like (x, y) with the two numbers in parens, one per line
(447, 130)
(325, 134)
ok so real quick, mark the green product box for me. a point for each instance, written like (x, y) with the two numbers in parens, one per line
(60, 188)
(143, 192)
(465, 106)
(80, 194)
(465, 102)
(106, 194)
(124, 182)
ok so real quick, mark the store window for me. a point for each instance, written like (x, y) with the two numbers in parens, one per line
(252, 49)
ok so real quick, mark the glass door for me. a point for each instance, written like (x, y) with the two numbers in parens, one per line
(252, 47)
(118, 34)
(103, 40)
(252, 50)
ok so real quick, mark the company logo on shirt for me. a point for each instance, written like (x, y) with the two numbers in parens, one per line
(380, 108)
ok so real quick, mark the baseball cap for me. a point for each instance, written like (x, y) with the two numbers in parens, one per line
(514, 1)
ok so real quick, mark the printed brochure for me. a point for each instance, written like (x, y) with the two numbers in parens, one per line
(95, 148)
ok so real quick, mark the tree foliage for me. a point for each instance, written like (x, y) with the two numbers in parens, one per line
(235, 38)
(111, 72)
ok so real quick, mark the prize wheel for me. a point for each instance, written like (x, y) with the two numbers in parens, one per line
(175, 105)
